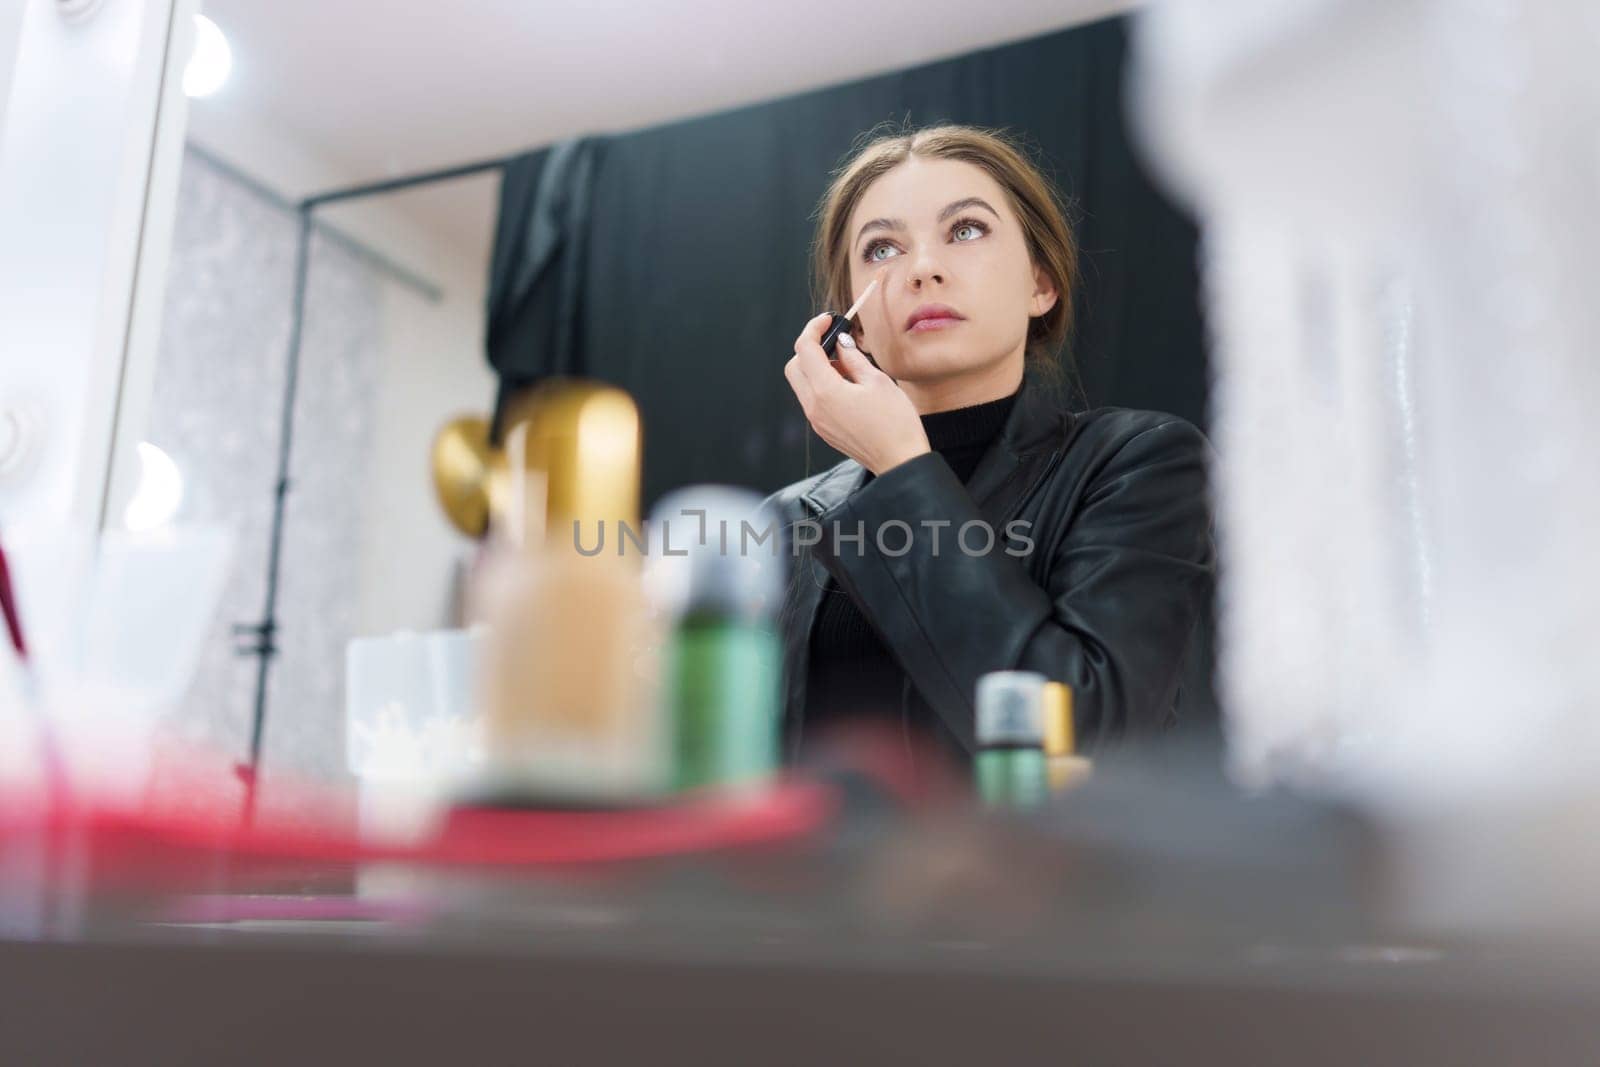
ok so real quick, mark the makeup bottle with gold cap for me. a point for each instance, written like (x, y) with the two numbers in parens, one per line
(571, 712)
(1064, 769)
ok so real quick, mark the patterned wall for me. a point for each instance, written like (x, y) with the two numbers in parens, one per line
(215, 410)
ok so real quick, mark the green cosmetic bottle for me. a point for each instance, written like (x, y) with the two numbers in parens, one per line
(723, 673)
(717, 570)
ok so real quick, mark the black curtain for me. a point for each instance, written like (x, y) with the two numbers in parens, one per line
(674, 261)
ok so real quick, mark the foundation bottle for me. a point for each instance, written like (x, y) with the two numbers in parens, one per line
(572, 712)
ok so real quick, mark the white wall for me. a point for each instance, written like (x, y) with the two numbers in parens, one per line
(433, 369)
(259, 146)
(10, 31)
(432, 365)
(365, 549)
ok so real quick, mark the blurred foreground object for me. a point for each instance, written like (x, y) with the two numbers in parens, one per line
(1064, 768)
(116, 624)
(569, 677)
(1399, 232)
(413, 725)
(716, 571)
(1010, 765)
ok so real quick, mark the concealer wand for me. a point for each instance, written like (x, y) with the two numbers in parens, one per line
(841, 323)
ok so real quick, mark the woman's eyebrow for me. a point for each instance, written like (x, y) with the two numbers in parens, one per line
(949, 209)
(962, 205)
(880, 224)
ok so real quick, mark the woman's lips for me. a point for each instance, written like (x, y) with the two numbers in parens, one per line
(932, 316)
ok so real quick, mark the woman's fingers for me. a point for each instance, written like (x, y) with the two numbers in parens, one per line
(857, 367)
(813, 360)
(800, 384)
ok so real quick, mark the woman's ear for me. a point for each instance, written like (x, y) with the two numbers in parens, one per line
(1044, 293)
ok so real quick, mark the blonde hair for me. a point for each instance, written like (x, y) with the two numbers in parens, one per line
(1044, 226)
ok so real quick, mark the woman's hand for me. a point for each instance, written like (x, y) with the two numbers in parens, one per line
(855, 407)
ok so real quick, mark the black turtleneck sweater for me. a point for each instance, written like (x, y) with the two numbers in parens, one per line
(852, 674)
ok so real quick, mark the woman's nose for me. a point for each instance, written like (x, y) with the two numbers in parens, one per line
(924, 267)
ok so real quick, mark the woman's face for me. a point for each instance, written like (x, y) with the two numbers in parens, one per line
(943, 233)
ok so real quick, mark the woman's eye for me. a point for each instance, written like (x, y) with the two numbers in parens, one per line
(874, 257)
(972, 228)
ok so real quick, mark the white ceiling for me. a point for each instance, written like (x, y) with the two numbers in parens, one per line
(369, 89)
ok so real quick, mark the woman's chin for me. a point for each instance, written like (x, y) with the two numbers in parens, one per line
(924, 362)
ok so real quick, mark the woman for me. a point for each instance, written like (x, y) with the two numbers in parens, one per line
(977, 525)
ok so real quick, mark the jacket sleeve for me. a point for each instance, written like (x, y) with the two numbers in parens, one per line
(1125, 584)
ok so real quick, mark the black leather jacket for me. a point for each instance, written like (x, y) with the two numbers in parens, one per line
(1107, 597)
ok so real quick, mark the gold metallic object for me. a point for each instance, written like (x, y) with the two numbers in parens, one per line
(461, 459)
(1064, 769)
(1058, 740)
(497, 486)
(585, 439)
